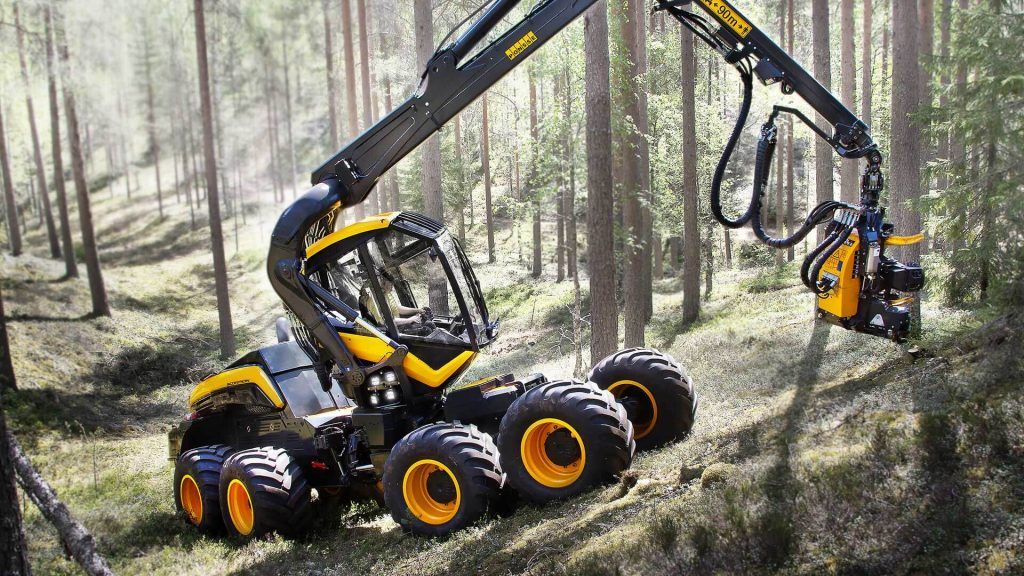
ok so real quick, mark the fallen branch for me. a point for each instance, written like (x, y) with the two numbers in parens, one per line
(75, 538)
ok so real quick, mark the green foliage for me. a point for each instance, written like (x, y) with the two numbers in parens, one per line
(979, 214)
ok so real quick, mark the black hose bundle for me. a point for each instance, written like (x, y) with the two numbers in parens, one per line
(839, 231)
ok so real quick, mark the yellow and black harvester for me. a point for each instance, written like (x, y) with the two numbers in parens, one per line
(362, 394)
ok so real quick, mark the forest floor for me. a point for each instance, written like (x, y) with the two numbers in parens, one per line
(815, 450)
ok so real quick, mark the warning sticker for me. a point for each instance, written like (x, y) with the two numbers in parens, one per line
(728, 16)
(521, 45)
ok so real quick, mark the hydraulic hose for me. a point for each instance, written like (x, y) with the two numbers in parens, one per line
(723, 162)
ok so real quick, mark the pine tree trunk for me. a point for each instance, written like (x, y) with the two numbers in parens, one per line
(37, 154)
(780, 170)
(631, 26)
(560, 179)
(351, 108)
(13, 546)
(332, 90)
(867, 43)
(600, 199)
(790, 158)
(10, 202)
(460, 179)
(364, 82)
(572, 260)
(644, 164)
(823, 163)
(944, 40)
(154, 142)
(691, 226)
(537, 265)
(227, 336)
(485, 166)
(926, 42)
(77, 541)
(848, 176)
(288, 118)
(97, 288)
(905, 175)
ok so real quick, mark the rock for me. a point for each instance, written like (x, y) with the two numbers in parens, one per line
(718, 473)
(688, 473)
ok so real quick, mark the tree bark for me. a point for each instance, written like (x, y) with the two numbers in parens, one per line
(288, 117)
(823, 163)
(460, 183)
(563, 137)
(926, 42)
(364, 81)
(631, 26)
(905, 176)
(227, 336)
(867, 43)
(37, 154)
(691, 226)
(154, 142)
(11, 203)
(570, 196)
(97, 288)
(780, 170)
(600, 200)
(536, 267)
(351, 108)
(485, 166)
(848, 176)
(13, 549)
(332, 90)
(790, 158)
(73, 535)
(944, 79)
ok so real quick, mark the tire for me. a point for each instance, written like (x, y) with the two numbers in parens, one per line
(442, 477)
(264, 490)
(197, 477)
(562, 438)
(656, 390)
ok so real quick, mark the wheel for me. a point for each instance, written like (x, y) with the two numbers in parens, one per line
(196, 486)
(656, 391)
(561, 438)
(441, 477)
(264, 490)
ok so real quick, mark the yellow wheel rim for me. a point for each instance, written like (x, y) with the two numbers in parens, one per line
(417, 493)
(191, 499)
(538, 460)
(240, 507)
(623, 388)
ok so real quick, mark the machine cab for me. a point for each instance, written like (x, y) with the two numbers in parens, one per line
(404, 276)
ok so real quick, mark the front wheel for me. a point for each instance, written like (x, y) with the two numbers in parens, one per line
(655, 390)
(441, 477)
(562, 438)
(264, 490)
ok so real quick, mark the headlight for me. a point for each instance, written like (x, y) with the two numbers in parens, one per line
(390, 395)
(390, 377)
(375, 382)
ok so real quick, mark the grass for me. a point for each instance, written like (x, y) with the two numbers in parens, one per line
(815, 451)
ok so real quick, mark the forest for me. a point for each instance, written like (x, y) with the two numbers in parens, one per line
(147, 149)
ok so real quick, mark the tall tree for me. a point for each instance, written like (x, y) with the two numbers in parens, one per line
(10, 202)
(220, 272)
(790, 158)
(286, 61)
(691, 225)
(485, 167)
(570, 197)
(97, 288)
(537, 263)
(848, 177)
(13, 549)
(905, 178)
(151, 129)
(926, 42)
(351, 108)
(364, 83)
(945, 27)
(867, 43)
(823, 73)
(780, 171)
(332, 89)
(631, 22)
(37, 154)
(600, 200)
(67, 244)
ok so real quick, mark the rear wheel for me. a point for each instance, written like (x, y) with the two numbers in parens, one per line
(441, 477)
(264, 490)
(196, 481)
(561, 438)
(655, 390)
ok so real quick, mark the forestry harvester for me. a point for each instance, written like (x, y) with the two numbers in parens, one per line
(361, 396)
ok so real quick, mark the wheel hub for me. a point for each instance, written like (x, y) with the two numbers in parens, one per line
(561, 447)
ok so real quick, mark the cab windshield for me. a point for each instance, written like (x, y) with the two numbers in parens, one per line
(411, 288)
